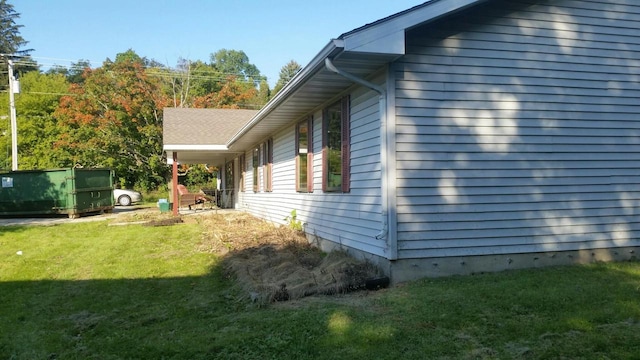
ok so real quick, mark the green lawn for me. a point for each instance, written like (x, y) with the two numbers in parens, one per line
(93, 291)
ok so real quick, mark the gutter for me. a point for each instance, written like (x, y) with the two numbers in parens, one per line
(384, 181)
(334, 47)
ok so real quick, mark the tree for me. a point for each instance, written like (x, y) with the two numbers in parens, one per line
(287, 73)
(233, 95)
(235, 63)
(74, 72)
(11, 43)
(10, 40)
(180, 80)
(114, 119)
(191, 80)
(263, 95)
(225, 83)
(37, 128)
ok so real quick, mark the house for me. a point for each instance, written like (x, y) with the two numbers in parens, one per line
(200, 137)
(458, 136)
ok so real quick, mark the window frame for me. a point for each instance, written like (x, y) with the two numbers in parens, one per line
(243, 172)
(267, 164)
(345, 146)
(255, 160)
(307, 153)
(228, 175)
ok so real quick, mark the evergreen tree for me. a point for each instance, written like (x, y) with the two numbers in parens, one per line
(10, 40)
(287, 73)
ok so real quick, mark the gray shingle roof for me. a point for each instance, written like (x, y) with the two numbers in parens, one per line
(202, 126)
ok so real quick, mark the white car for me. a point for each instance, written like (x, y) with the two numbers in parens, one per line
(126, 197)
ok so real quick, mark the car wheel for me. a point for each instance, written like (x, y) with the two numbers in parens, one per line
(124, 200)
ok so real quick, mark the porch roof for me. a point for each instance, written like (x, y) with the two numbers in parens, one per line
(200, 136)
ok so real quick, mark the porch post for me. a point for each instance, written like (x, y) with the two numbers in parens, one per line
(174, 184)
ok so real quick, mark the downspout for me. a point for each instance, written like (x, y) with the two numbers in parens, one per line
(384, 188)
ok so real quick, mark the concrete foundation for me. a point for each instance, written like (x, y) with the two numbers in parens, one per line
(412, 269)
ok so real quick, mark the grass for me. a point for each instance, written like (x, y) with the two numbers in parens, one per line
(93, 291)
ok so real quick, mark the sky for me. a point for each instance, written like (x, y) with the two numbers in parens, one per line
(270, 32)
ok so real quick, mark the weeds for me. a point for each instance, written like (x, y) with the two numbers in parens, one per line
(293, 222)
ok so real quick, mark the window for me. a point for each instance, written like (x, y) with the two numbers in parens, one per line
(256, 164)
(336, 148)
(304, 155)
(243, 172)
(228, 176)
(267, 162)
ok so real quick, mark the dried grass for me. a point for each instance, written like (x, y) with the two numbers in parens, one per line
(269, 262)
(275, 263)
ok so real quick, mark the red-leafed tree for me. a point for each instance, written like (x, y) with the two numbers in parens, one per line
(234, 94)
(114, 119)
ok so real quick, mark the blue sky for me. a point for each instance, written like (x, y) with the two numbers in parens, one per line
(270, 32)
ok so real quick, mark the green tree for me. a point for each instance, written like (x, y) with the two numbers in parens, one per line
(74, 76)
(235, 63)
(287, 73)
(10, 40)
(37, 128)
(229, 81)
(263, 95)
(206, 79)
(114, 119)
(189, 81)
(5, 132)
(73, 73)
(12, 43)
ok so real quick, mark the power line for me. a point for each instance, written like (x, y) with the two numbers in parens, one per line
(74, 65)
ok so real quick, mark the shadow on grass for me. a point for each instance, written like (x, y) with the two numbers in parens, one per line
(567, 312)
(571, 312)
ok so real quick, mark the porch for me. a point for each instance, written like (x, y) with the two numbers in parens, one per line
(200, 136)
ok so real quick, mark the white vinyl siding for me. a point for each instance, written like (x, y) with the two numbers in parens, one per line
(351, 219)
(518, 130)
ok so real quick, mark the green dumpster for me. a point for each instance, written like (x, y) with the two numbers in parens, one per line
(58, 191)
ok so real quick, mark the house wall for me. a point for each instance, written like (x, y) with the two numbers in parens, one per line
(518, 132)
(348, 220)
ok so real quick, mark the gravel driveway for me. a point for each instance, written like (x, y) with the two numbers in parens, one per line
(61, 219)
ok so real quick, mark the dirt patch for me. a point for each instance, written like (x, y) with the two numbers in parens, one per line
(275, 263)
(164, 222)
(270, 263)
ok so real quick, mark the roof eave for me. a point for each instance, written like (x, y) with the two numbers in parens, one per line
(362, 38)
(191, 147)
(384, 38)
(333, 48)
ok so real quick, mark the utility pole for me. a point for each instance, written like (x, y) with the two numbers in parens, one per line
(12, 113)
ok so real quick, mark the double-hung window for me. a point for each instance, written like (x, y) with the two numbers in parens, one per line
(336, 147)
(304, 155)
(243, 172)
(256, 165)
(267, 163)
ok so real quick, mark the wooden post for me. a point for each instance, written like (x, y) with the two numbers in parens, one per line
(174, 185)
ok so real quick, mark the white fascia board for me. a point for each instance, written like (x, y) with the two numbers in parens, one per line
(195, 148)
(292, 86)
(387, 37)
(377, 43)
